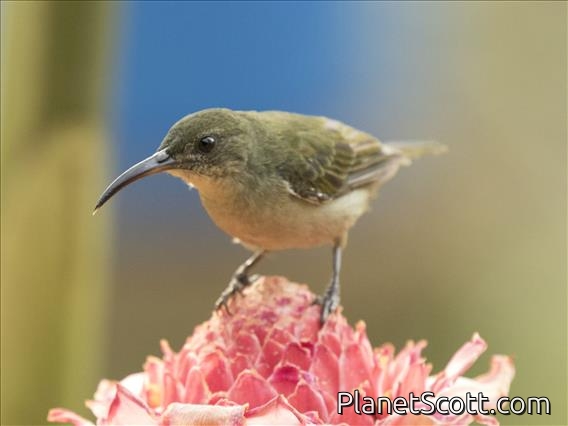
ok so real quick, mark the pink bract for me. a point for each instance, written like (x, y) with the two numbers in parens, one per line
(271, 363)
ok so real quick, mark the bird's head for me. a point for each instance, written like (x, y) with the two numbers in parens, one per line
(199, 148)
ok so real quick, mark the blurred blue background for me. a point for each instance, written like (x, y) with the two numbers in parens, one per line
(472, 241)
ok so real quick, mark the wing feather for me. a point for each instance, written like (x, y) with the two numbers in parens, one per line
(334, 160)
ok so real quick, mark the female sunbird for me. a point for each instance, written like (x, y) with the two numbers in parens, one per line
(275, 180)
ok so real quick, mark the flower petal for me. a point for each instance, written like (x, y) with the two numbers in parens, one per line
(60, 415)
(354, 369)
(196, 389)
(193, 414)
(277, 411)
(270, 356)
(104, 395)
(153, 381)
(251, 388)
(284, 379)
(462, 360)
(246, 344)
(465, 357)
(408, 420)
(325, 367)
(305, 398)
(134, 383)
(216, 371)
(295, 354)
(127, 409)
(492, 385)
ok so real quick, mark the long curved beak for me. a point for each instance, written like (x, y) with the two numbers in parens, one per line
(156, 163)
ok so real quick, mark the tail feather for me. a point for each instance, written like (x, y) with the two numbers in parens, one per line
(391, 156)
(417, 149)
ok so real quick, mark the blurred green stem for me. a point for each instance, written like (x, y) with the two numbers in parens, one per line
(55, 58)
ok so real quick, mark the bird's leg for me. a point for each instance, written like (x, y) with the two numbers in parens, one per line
(239, 280)
(329, 301)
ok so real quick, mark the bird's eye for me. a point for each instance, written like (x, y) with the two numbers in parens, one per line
(207, 143)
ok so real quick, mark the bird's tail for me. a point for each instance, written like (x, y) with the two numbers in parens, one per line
(417, 149)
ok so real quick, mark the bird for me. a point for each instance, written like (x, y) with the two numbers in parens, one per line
(276, 180)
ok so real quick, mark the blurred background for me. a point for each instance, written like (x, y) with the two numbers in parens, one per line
(471, 241)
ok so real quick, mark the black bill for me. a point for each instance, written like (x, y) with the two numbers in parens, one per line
(157, 163)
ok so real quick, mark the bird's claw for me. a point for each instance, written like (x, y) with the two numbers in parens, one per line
(236, 286)
(328, 302)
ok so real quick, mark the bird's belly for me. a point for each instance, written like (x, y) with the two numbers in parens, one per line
(288, 222)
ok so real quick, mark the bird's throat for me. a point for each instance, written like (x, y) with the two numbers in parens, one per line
(219, 191)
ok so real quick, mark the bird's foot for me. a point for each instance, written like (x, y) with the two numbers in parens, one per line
(329, 302)
(236, 286)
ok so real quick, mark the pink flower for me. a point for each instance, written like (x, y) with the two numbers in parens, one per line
(271, 363)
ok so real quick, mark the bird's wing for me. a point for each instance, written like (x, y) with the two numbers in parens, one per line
(335, 159)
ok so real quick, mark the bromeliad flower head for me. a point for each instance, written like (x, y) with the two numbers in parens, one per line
(270, 362)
